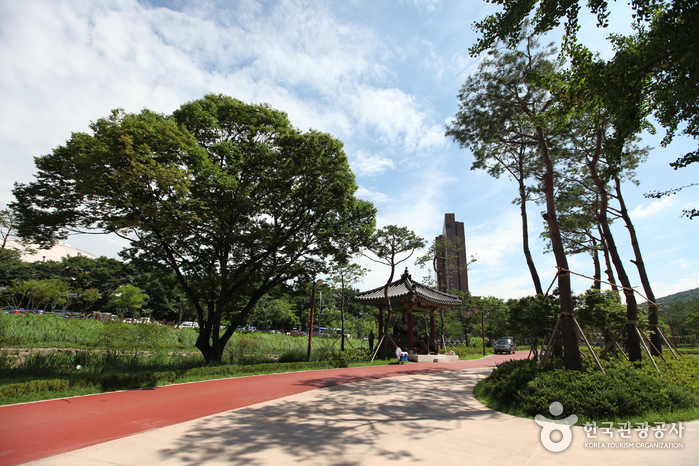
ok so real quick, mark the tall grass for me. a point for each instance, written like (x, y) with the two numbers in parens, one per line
(81, 364)
(32, 330)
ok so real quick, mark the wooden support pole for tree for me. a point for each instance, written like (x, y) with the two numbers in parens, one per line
(652, 345)
(377, 347)
(664, 337)
(645, 347)
(549, 347)
(612, 342)
(592, 351)
(621, 350)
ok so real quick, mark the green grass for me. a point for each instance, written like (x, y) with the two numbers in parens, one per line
(49, 331)
(96, 357)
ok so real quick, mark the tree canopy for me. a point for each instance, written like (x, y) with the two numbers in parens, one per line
(229, 196)
(653, 71)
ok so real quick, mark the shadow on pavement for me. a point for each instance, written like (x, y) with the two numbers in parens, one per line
(332, 423)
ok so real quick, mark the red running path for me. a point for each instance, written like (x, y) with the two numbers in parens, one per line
(37, 430)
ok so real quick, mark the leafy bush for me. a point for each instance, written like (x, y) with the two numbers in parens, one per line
(336, 357)
(508, 379)
(463, 350)
(295, 355)
(624, 392)
(343, 358)
(242, 350)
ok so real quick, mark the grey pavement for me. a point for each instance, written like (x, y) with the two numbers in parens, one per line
(429, 419)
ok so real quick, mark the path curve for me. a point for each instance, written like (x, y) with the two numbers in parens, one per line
(37, 430)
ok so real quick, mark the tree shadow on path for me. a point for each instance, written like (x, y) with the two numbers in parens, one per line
(341, 424)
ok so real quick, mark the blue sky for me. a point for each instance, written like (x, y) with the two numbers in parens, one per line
(382, 76)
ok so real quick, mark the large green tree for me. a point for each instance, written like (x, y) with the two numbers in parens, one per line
(229, 196)
(510, 108)
(500, 147)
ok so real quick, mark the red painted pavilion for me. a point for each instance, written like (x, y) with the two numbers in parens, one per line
(407, 298)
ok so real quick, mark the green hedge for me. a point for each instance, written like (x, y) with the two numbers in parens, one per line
(624, 392)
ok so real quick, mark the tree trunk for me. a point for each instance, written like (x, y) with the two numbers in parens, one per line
(525, 238)
(572, 359)
(597, 285)
(607, 261)
(633, 343)
(655, 337)
(388, 311)
(342, 317)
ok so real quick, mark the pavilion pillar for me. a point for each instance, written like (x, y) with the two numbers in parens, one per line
(410, 328)
(432, 335)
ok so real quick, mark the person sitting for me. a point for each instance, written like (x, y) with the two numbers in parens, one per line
(401, 355)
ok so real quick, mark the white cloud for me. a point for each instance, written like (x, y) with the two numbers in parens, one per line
(652, 208)
(465, 65)
(395, 119)
(428, 6)
(371, 164)
(74, 62)
(374, 196)
(496, 241)
(680, 264)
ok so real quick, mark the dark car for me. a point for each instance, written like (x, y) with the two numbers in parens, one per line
(504, 345)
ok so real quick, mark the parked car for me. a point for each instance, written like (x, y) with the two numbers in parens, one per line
(504, 345)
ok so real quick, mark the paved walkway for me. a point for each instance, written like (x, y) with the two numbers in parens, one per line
(416, 413)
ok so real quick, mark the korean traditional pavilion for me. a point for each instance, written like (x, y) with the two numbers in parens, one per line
(407, 298)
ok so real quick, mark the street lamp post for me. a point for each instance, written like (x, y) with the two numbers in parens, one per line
(310, 325)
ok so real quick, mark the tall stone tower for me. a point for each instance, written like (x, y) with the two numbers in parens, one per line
(451, 261)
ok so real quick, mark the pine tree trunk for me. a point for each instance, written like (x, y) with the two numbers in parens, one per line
(607, 261)
(633, 343)
(597, 285)
(525, 239)
(655, 337)
(571, 357)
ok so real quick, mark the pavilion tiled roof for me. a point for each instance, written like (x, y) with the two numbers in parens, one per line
(405, 287)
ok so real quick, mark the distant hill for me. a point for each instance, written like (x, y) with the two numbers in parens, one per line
(682, 296)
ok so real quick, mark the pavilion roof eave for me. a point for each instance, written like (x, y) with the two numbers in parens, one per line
(404, 290)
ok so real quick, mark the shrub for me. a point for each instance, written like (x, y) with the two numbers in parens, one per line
(243, 350)
(343, 358)
(463, 350)
(623, 393)
(296, 355)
